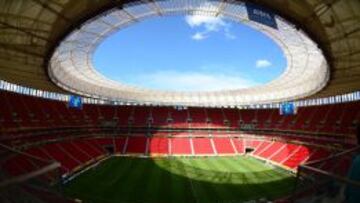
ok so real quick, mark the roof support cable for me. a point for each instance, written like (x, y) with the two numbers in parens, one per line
(154, 6)
(221, 7)
(46, 6)
(17, 49)
(24, 31)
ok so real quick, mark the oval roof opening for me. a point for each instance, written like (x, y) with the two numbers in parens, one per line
(190, 53)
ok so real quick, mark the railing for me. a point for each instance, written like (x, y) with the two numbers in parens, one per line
(7, 86)
(329, 180)
(27, 178)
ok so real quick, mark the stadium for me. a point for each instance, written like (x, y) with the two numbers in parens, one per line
(259, 101)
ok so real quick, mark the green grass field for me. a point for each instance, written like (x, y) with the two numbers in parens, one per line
(180, 180)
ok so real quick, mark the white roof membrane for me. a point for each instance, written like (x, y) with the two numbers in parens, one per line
(71, 67)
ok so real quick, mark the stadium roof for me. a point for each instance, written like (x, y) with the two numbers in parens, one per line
(32, 30)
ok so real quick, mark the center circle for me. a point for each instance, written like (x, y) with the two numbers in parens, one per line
(189, 53)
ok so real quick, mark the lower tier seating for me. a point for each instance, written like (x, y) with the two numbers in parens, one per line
(224, 146)
(76, 153)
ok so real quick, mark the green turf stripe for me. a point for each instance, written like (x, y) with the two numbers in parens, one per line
(178, 180)
(181, 188)
(207, 189)
(136, 187)
(270, 190)
(129, 182)
(151, 183)
(225, 190)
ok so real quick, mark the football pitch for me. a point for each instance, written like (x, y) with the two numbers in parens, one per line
(180, 180)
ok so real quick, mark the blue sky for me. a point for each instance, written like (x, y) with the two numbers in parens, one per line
(189, 53)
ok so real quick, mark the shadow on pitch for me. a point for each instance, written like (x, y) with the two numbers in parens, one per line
(170, 179)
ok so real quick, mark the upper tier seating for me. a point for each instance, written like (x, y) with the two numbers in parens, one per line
(23, 112)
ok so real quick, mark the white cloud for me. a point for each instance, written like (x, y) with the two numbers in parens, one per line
(262, 63)
(229, 35)
(210, 23)
(198, 36)
(192, 81)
